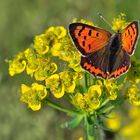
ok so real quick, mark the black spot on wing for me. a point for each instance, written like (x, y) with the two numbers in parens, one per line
(97, 34)
(89, 33)
(85, 37)
(83, 43)
(133, 29)
(128, 31)
(89, 46)
(80, 31)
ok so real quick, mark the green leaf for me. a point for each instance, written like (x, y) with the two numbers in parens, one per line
(75, 121)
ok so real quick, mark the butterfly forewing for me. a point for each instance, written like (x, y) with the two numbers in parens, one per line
(88, 39)
(130, 37)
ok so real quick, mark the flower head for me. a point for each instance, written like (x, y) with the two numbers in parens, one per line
(41, 44)
(112, 89)
(89, 101)
(55, 85)
(133, 74)
(33, 95)
(63, 82)
(119, 23)
(133, 94)
(17, 65)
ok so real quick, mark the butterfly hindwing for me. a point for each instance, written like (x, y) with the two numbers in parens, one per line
(96, 63)
(88, 39)
(130, 37)
(121, 64)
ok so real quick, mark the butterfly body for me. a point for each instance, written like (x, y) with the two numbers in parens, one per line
(103, 54)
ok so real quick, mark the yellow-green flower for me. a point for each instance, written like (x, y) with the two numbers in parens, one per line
(62, 82)
(89, 101)
(32, 66)
(83, 21)
(56, 86)
(46, 68)
(119, 23)
(133, 74)
(56, 49)
(133, 94)
(32, 61)
(65, 50)
(60, 32)
(17, 65)
(41, 44)
(112, 88)
(69, 79)
(33, 95)
(95, 90)
(30, 54)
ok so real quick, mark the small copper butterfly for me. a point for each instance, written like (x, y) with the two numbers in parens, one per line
(104, 54)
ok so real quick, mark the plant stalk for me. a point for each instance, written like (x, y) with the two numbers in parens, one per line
(58, 107)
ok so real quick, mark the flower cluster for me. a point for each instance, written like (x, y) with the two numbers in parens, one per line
(33, 95)
(132, 92)
(119, 23)
(96, 95)
(41, 61)
(90, 100)
(63, 82)
(112, 88)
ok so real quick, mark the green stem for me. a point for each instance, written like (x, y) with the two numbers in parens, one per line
(87, 80)
(90, 134)
(58, 107)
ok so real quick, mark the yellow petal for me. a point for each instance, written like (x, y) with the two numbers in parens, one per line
(60, 92)
(24, 88)
(35, 107)
(95, 89)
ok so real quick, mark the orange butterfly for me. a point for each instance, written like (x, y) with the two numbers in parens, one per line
(102, 53)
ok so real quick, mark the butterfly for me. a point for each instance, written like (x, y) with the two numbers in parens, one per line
(104, 54)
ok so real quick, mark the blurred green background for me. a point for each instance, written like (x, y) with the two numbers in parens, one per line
(20, 21)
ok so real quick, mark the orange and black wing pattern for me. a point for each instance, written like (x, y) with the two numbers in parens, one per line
(103, 54)
(88, 39)
(121, 64)
(96, 63)
(130, 37)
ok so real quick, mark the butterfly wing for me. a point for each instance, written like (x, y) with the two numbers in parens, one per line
(121, 64)
(121, 60)
(130, 37)
(88, 39)
(96, 63)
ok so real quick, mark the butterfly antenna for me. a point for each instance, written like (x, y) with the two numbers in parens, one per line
(101, 16)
